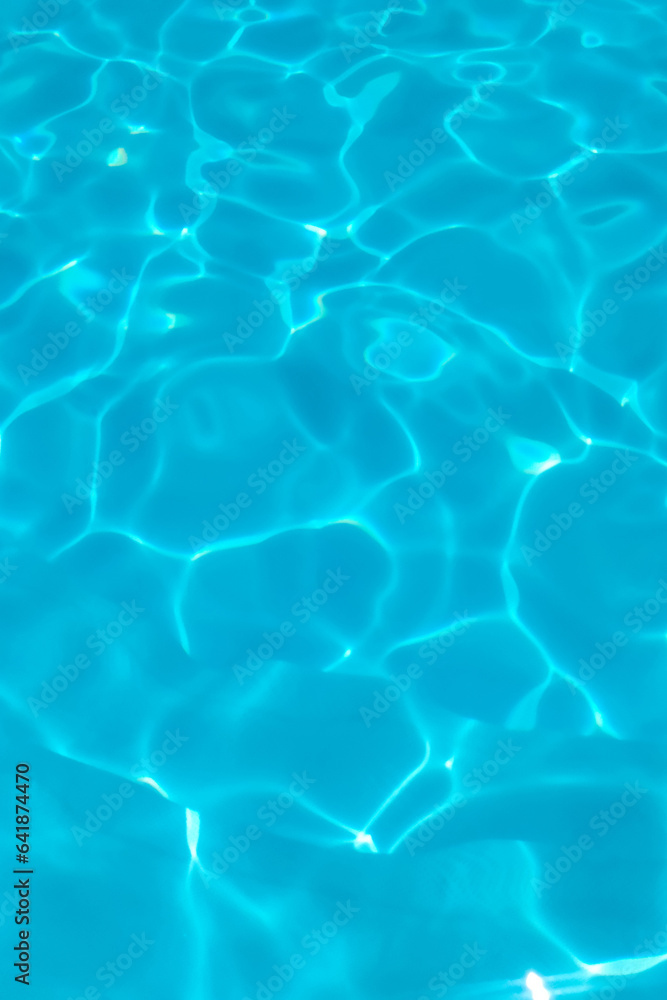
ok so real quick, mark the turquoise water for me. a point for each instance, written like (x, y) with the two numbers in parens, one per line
(333, 497)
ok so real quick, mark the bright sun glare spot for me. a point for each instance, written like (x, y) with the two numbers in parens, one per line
(364, 841)
(538, 467)
(535, 984)
(66, 267)
(153, 783)
(192, 831)
(117, 157)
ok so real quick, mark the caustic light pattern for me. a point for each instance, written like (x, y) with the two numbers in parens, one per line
(333, 496)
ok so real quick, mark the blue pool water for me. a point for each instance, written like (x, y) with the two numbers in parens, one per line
(333, 497)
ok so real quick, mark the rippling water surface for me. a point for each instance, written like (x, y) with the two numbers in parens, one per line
(333, 497)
